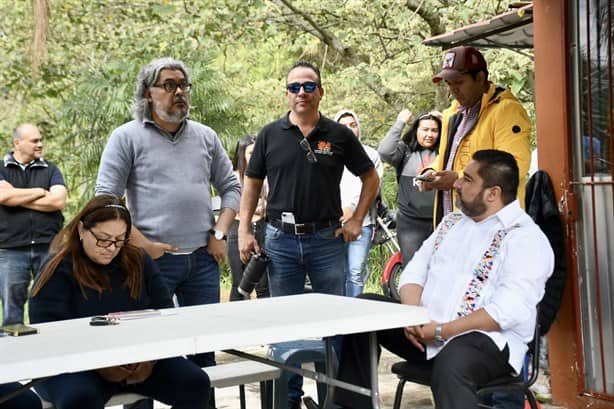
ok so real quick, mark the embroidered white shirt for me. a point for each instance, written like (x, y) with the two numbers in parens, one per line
(515, 285)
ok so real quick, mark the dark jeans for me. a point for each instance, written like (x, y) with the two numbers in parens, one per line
(174, 381)
(194, 279)
(17, 267)
(25, 400)
(457, 371)
(237, 267)
(411, 232)
(319, 256)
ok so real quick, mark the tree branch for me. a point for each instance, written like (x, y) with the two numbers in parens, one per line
(430, 15)
(310, 26)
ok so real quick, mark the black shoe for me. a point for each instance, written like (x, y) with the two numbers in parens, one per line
(293, 404)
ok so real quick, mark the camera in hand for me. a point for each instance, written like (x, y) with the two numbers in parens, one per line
(252, 273)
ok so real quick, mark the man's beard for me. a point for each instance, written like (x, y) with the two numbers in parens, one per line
(475, 208)
(168, 116)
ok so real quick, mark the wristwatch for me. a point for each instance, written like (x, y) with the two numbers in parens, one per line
(439, 339)
(218, 234)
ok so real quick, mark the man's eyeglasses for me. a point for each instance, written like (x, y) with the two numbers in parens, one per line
(106, 243)
(295, 87)
(171, 87)
(311, 157)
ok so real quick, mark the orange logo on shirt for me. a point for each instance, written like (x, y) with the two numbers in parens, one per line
(324, 148)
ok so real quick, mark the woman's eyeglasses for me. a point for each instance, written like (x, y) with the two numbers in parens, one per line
(295, 87)
(311, 157)
(106, 243)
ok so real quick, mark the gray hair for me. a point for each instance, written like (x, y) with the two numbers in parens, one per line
(148, 77)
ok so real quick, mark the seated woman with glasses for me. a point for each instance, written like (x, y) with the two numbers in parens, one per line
(94, 270)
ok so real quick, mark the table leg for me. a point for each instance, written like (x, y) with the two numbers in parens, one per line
(373, 361)
(316, 376)
(330, 371)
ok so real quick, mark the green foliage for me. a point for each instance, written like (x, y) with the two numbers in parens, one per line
(369, 51)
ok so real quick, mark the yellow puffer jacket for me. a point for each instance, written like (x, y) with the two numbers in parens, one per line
(502, 124)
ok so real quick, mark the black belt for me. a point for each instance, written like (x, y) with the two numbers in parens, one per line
(303, 228)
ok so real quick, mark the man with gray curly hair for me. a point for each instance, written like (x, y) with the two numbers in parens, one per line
(166, 164)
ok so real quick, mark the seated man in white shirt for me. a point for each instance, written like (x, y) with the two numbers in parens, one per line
(481, 275)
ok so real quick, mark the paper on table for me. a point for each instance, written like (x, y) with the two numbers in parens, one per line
(135, 315)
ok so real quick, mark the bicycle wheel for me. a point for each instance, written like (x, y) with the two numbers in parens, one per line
(393, 282)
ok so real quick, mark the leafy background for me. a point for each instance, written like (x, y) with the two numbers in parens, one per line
(78, 85)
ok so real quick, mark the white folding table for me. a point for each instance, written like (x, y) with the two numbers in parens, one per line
(74, 345)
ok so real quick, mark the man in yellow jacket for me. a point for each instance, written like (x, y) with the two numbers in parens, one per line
(483, 116)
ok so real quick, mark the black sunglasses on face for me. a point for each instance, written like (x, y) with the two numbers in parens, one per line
(295, 87)
(311, 157)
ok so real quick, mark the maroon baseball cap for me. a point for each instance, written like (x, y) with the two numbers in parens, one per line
(460, 60)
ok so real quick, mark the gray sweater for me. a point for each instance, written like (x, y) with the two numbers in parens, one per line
(167, 181)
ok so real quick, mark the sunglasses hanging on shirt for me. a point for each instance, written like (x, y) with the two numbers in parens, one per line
(311, 157)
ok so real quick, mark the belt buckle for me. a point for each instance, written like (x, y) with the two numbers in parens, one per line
(297, 227)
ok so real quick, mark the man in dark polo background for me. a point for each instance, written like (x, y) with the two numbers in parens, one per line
(303, 155)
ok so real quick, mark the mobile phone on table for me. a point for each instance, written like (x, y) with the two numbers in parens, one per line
(17, 330)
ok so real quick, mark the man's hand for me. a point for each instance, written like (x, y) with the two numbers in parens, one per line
(428, 332)
(350, 230)
(420, 335)
(414, 334)
(441, 180)
(247, 246)
(217, 248)
(156, 249)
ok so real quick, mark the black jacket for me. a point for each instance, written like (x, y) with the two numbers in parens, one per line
(541, 205)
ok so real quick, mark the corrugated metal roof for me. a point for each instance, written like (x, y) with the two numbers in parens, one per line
(512, 29)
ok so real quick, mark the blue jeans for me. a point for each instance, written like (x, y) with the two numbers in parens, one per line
(320, 255)
(17, 266)
(194, 279)
(357, 252)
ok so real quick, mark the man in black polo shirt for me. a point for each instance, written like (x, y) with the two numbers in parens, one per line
(302, 155)
(32, 195)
